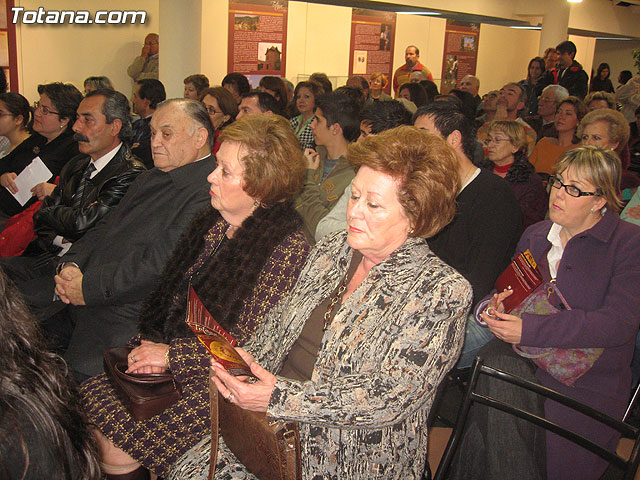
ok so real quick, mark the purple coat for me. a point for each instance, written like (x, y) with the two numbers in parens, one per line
(599, 275)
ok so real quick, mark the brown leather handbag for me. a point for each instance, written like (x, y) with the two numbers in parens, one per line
(145, 395)
(268, 447)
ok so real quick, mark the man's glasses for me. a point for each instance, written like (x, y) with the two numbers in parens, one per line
(45, 110)
(571, 190)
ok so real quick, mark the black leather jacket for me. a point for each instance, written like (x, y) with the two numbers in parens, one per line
(574, 79)
(104, 191)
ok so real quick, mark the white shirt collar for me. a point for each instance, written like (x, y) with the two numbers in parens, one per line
(556, 250)
(103, 160)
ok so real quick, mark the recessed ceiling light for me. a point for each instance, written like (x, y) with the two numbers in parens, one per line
(526, 27)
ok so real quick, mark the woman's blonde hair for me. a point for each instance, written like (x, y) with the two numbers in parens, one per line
(513, 130)
(599, 166)
(617, 126)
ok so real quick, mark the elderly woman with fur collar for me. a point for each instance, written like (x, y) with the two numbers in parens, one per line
(241, 256)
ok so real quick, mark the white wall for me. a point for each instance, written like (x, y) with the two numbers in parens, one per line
(70, 53)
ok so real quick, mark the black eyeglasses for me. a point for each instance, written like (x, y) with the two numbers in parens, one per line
(212, 111)
(571, 190)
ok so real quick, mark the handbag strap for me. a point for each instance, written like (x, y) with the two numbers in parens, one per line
(213, 402)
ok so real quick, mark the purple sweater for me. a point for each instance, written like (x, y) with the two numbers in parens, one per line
(599, 275)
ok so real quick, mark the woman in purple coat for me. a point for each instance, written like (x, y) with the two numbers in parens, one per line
(593, 257)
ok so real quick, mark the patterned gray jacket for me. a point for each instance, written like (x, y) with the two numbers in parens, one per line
(364, 412)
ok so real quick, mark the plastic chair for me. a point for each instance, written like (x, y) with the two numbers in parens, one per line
(629, 466)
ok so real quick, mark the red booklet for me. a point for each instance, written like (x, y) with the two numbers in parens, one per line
(215, 339)
(522, 276)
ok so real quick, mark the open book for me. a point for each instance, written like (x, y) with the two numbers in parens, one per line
(521, 276)
(215, 339)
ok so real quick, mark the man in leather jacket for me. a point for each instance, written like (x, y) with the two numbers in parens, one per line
(568, 73)
(90, 185)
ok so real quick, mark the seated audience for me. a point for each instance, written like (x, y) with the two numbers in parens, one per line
(548, 101)
(335, 125)
(360, 82)
(608, 129)
(431, 89)
(97, 83)
(378, 81)
(591, 255)
(489, 106)
(106, 275)
(16, 117)
(241, 255)
(471, 85)
(414, 92)
(257, 102)
(222, 109)
(511, 101)
(507, 152)
(480, 240)
(147, 94)
(597, 100)
(323, 80)
(353, 92)
(275, 87)
(375, 118)
(375, 297)
(548, 150)
(535, 70)
(628, 96)
(43, 430)
(601, 82)
(305, 96)
(91, 185)
(53, 142)
(237, 84)
(194, 85)
(469, 104)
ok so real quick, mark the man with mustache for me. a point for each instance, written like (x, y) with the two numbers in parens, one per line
(91, 184)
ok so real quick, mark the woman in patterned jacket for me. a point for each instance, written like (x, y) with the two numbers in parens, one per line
(370, 329)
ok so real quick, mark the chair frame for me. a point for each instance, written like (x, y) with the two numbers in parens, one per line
(629, 466)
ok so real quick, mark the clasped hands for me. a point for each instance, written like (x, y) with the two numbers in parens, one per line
(69, 286)
(504, 326)
(148, 357)
(249, 396)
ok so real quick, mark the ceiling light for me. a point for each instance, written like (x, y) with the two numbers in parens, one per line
(419, 13)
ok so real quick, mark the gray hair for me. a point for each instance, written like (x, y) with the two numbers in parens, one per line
(116, 107)
(558, 90)
(196, 112)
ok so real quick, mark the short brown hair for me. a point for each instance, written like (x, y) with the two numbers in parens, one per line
(426, 168)
(198, 80)
(225, 99)
(274, 165)
(578, 105)
(600, 95)
(599, 166)
(617, 126)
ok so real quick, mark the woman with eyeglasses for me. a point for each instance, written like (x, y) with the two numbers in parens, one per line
(591, 257)
(507, 151)
(54, 116)
(222, 108)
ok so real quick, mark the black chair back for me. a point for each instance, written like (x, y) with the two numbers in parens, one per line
(472, 396)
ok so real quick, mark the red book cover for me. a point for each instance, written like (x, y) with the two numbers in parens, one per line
(214, 338)
(521, 276)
